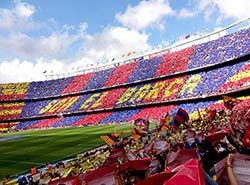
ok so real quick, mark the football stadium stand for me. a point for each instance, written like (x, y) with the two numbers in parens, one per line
(193, 77)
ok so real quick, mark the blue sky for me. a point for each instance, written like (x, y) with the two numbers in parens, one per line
(59, 35)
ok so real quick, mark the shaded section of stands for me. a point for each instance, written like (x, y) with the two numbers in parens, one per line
(45, 123)
(152, 113)
(208, 82)
(26, 124)
(78, 103)
(240, 79)
(33, 108)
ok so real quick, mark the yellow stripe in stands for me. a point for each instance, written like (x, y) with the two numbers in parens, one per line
(11, 104)
(239, 76)
(9, 112)
(18, 88)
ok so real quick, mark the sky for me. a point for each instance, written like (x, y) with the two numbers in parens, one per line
(41, 37)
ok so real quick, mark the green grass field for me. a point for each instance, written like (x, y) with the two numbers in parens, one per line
(39, 147)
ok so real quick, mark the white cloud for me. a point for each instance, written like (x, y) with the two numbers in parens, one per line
(186, 13)
(236, 9)
(146, 14)
(25, 71)
(51, 52)
(113, 41)
(19, 18)
(24, 9)
(21, 44)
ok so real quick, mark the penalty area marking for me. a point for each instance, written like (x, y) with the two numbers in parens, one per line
(21, 162)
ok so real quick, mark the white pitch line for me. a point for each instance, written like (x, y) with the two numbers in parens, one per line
(21, 162)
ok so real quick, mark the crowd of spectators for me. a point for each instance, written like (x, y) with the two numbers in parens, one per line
(47, 88)
(218, 140)
(121, 116)
(14, 91)
(219, 80)
(175, 62)
(202, 84)
(120, 74)
(145, 69)
(220, 50)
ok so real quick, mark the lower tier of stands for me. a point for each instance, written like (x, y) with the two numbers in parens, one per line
(123, 116)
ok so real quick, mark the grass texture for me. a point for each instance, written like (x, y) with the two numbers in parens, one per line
(42, 146)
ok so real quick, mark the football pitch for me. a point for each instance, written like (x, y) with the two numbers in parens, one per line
(20, 150)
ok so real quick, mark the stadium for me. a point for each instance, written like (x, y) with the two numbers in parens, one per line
(115, 124)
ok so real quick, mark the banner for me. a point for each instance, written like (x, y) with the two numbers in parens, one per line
(110, 139)
(137, 133)
(165, 122)
(180, 117)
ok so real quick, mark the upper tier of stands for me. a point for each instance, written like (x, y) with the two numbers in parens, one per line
(197, 56)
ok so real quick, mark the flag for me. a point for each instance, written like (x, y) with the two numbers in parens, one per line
(137, 133)
(110, 139)
(180, 117)
(165, 122)
(142, 123)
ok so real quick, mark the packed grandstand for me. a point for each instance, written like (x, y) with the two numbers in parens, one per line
(194, 79)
